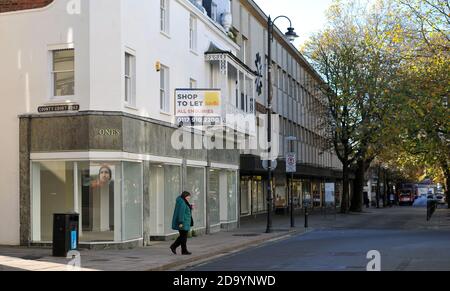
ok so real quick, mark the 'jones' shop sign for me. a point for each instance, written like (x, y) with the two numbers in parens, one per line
(59, 108)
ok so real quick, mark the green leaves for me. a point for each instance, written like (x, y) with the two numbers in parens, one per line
(387, 73)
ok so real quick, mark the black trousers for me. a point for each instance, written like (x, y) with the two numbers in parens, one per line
(181, 241)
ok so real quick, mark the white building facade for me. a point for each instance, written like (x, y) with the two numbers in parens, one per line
(90, 126)
(90, 118)
(298, 106)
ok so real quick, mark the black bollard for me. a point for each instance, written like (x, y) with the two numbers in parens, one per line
(306, 217)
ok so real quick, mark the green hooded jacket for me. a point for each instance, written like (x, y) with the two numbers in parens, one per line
(182, 215)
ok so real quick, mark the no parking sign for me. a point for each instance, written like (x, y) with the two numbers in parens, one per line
(291, 163)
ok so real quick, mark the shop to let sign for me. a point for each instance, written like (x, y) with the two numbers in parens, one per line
(198, 106)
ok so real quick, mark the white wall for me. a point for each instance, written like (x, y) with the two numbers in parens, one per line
(24, 77)
(100, 34)
(141, 32)
(105, 45)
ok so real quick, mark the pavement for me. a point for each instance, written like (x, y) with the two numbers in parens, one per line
(215, 247)
(156, 257)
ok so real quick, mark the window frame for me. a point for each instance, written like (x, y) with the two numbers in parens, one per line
(164, 105)
(193, 83)
(193, 43)
(214, 11)
(53, 72)
(129, 100)
(164, 17)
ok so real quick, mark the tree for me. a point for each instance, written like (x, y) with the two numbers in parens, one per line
(358, 55)
(432, 18)
(424, 88)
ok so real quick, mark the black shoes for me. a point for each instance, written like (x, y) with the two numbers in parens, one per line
(174, 251)
(184, 253)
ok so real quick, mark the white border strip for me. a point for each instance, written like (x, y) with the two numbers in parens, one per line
(224, 166)
(103, 156)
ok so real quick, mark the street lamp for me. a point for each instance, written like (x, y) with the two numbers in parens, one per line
(291, 35)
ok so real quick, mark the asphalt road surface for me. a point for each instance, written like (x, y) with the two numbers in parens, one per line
(403, 238)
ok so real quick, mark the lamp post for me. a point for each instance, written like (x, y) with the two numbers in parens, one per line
(291, 169)
(291, 35)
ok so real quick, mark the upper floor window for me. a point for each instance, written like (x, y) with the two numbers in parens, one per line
(164, 90)
(192, 84)
(130, 79)
(193, 33)
(214, 12)
(164, 16)
(245, 50)
(63, 72)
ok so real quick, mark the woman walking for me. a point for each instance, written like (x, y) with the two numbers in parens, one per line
(182, 221)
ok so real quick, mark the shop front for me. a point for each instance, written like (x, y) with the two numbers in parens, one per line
(106, 194)
(123, 185)
(253, 195)
(308, 186)
(222, 199)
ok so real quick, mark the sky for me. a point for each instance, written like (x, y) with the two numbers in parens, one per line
(307, 16)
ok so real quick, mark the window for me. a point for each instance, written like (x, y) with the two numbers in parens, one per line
(107, 195)
(164, 188)
(245, 50)
(214, 197)
(164, 89)
(130, 79)
(193, 33)
(63, 72)
(195, 184)
(192, 84)
(164, 16)
(214, 15)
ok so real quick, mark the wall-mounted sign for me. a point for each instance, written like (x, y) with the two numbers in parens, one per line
(330, 193)
(108, 132)
(291, 162)
(58, 108)
(198, 106)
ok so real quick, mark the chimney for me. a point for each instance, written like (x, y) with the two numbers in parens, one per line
(17, 5)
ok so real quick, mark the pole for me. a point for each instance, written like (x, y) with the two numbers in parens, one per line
(306, 216)
(378, 187)
(292, 191)
(292, 201)
(269, 125)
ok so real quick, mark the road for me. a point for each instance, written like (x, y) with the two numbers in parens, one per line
(405, 241)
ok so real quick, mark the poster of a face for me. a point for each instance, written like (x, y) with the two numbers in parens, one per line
(105, 175)
(102, 174)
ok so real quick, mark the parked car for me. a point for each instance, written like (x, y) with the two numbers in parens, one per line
(441, 198)
(406, 198)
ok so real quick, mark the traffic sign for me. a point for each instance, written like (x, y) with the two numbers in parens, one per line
(291, 163)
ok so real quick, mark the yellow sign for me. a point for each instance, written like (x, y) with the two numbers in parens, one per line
(212, 98)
